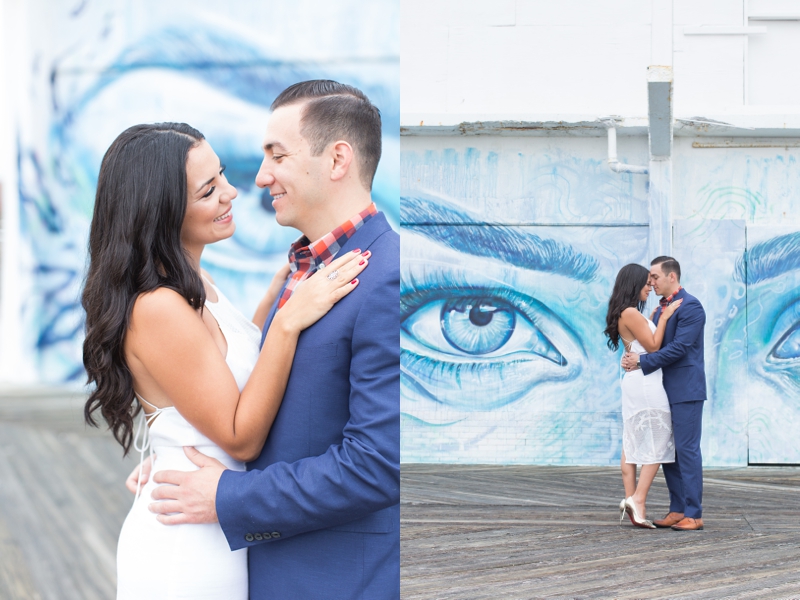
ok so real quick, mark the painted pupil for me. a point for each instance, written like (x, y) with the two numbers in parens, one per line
(477, 325)
(480, 317)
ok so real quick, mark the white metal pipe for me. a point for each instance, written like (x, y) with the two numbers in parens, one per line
(613, 161)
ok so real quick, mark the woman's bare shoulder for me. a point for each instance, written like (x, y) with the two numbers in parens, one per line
(161, 304)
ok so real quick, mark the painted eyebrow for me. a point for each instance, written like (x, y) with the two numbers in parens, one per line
(445, 224)
(209, 181)
(769, 259)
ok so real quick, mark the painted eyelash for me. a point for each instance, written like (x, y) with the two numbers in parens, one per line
(789, 322)
(448, 370)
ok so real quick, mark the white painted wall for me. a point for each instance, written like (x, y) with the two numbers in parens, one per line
(499, 117)
(534, 59)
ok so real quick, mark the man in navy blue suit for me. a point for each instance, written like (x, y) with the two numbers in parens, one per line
(319, 508)
(682, 363)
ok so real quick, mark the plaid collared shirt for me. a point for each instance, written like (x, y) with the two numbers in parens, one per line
(664, 302)
(306, 258)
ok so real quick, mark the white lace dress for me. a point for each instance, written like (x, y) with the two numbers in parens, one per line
(167, 562)
(646, 417)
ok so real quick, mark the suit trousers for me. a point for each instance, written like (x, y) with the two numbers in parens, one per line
(685, 476)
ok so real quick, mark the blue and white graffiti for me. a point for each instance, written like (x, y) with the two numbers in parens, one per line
(199, 72)
(508, 262)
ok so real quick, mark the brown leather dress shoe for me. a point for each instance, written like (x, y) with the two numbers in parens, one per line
(688, 524)
(669, 520)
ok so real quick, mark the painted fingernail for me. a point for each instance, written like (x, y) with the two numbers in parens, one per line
(357, 250)
(361, 263)
(355, 281)
(367, 253)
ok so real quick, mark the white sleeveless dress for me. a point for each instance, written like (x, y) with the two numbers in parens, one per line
(646, 417)
(156, 561)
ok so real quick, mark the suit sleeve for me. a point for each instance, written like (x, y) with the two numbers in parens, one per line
(691, 320)
(352, 479)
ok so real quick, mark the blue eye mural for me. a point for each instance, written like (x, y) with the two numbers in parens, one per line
(508, 260)
(460, 342)
(108, 67)
(501, 331)
(770, 269)
(788, 347)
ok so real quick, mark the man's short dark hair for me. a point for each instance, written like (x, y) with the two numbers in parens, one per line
(336, 111)
(668, 265)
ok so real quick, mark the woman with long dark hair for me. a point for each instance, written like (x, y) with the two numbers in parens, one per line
(647, 422)
(161, 338)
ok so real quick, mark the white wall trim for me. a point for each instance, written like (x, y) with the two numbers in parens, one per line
(719, 30)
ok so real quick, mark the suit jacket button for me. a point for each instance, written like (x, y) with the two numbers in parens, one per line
(267, 535)
(276, 534)
(258, 537)
(249, 537)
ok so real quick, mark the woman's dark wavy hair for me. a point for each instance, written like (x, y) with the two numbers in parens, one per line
(134, 247)
(630, 281)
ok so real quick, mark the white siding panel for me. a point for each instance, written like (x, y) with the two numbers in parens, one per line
(423, 68)
(583, 12)
(499, 13)
(769, 81)
(708, 12)
(709, 73)
(545, 70)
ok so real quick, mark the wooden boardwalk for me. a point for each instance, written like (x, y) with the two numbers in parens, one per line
(62, 500)
(553, 532)
(467, 531)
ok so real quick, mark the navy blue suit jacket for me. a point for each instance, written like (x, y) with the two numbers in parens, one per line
(681, 357)
(319, 509)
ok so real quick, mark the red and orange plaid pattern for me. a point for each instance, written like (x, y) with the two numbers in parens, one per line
(307, 258)
(666, 301)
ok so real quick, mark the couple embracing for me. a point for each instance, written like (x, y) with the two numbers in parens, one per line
(663, 391)
(274, 442)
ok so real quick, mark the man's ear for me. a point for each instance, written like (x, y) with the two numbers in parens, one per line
(342, 160)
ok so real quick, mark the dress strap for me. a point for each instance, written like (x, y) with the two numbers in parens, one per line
(627, 344)
(155, 408)
(141, 440)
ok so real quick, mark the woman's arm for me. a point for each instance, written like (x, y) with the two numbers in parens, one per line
(275, 287)
(179, 356)
(650, 341)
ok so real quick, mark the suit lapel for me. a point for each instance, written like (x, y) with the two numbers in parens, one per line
(672, 325)
(657, 316)
(271, 314)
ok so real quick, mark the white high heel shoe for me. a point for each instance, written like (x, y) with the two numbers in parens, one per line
(621, 510)
(634, 516)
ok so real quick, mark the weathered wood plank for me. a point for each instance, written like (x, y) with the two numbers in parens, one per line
(62, 501)
(15, 577)
(551, 532)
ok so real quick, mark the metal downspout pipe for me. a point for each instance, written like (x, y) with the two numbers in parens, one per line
(659, 134)
(613, 161)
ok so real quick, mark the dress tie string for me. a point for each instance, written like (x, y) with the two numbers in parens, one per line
(143, 432)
